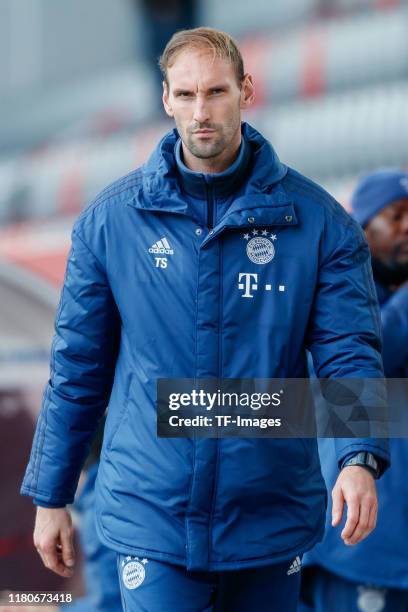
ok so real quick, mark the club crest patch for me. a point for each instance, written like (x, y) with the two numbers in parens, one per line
(133, 572)
(371, 599)
(260, 248)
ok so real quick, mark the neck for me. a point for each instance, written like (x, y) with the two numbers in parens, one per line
(211, 165)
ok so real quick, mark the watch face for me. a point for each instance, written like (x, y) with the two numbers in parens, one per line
(364, 459)
(358, 459)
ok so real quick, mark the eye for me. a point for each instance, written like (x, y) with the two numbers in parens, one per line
(183, 94)
(217, 91)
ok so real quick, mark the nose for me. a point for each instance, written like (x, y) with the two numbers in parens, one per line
(201, 113)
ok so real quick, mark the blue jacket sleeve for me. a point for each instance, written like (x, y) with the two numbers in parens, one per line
(83, 358)
(344, 335)
(394, 317)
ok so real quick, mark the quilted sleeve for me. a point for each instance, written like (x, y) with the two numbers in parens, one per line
(83, 356)
(344, 335)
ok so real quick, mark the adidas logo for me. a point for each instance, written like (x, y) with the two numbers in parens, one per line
(161, 246)
(295, 567)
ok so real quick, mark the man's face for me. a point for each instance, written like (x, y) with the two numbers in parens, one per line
(206, 100)
(387, 235)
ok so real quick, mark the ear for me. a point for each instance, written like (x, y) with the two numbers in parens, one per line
(166, 102)
(247, 92)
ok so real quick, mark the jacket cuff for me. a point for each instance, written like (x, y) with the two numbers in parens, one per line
(381, 467)
(345, 449)
(42, 504)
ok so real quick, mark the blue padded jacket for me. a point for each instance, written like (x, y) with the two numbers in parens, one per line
(152, 292)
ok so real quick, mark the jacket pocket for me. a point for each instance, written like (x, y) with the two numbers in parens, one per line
(122, 416)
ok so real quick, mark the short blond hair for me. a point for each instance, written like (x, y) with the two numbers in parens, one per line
(219, 43)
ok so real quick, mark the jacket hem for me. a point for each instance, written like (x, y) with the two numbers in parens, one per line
(272, 559)
(134, 550)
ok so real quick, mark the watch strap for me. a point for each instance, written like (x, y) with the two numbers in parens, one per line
(364, 459)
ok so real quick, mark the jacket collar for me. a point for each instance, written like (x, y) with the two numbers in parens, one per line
(222, 184)
(161, 189)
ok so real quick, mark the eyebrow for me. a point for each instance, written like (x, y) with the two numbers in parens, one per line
(186, 90)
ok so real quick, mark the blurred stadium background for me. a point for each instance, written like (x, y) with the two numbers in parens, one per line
(80, 106)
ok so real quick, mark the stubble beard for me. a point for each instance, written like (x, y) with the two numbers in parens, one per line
(217, 145)
(205, 150)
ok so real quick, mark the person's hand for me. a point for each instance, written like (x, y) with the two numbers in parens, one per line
(53, 539)
(355, 486)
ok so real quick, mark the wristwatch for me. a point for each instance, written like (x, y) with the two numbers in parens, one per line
(366, 460)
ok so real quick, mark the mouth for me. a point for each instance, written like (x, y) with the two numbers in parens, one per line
(204, 132)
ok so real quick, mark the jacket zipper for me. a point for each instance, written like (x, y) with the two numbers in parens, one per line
(210, 207)
(219, 376)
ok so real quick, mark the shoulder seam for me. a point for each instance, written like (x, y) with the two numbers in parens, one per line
(323, 197)
(105, 196)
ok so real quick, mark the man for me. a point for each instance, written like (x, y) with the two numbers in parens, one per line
(162, 282)
(374, 575)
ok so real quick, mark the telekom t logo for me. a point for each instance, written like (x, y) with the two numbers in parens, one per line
(248, 285)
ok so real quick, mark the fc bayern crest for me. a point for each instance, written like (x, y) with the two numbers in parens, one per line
(260, 248)
(133, 572)
(371, 599)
